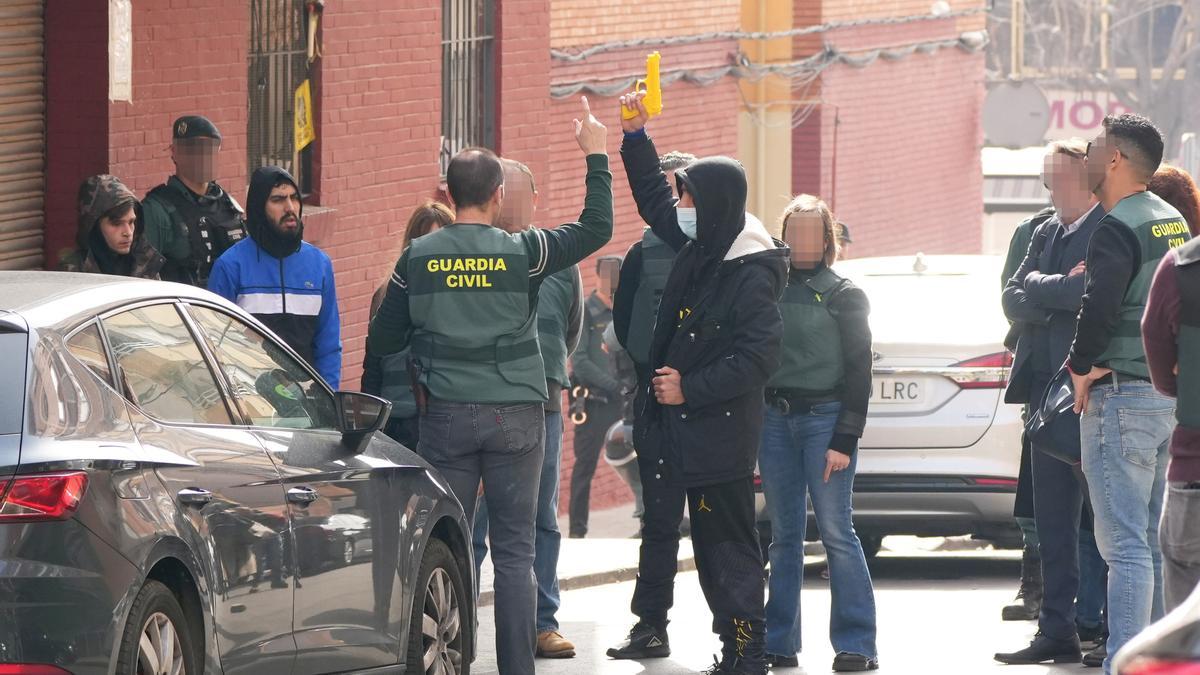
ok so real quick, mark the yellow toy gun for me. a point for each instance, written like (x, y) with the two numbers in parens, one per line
(652, 85)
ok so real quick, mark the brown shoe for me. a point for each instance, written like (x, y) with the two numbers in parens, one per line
(552, 645)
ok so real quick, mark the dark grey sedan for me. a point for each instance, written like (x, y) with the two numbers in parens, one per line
(181, 493)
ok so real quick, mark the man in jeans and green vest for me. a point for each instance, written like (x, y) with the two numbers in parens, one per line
(560, 322)
(463, 299)
(1125, 423)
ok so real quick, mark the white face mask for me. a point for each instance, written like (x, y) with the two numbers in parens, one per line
(687, 221)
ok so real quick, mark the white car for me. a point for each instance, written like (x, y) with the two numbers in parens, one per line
(941, 450)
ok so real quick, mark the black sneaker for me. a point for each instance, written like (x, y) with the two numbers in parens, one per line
(644, 642)
(1044, 648)
(845, 662)
(779, 661)
(1095, 658)
(734, 667)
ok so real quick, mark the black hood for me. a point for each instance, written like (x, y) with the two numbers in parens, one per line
(718, 187)
(260, 230)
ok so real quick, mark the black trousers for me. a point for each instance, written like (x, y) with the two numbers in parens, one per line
(589, 442)
(728, 558)
(1059, 497)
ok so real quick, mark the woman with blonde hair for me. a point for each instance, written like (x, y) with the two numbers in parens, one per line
(387, 376)
(816, 410)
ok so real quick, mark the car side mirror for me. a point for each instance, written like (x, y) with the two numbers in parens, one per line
(361, 414)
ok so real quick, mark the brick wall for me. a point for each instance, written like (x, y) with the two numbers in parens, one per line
(179, 70)
(580, 23)
(899, 138)
(380, 125)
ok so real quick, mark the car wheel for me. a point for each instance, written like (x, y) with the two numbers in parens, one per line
(438, 630)
(157, 639)
(348, 551)
(871, 543)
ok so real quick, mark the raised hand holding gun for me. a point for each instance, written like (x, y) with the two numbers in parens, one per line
(633, 101)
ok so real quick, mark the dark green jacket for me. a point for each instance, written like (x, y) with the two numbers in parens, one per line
(546, 250)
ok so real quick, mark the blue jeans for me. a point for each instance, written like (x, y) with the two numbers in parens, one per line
(1125, 432)
(792, 463)
(547, 538)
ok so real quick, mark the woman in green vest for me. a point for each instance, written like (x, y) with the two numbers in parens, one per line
(816, 410)
(387, 376)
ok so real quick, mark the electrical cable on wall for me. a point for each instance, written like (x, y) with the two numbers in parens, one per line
(584, 54)
(808, 67)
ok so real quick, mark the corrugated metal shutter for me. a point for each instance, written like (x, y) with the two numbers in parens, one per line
(22, 134)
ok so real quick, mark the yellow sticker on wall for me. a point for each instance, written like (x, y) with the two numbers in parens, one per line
(305, 133)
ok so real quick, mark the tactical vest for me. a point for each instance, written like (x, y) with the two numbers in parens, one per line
(1158, 228)
(657, 260)
(555, 298)
(1187, 405)
(812, 343)
(474, 332)
(396, 385)
(211, 227)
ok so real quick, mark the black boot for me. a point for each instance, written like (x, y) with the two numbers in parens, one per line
(1043, 649)
(1029, 596)
(644, 642)
(1095, 658)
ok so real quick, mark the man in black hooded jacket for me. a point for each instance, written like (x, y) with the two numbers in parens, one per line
(699, 414)
(282, 280)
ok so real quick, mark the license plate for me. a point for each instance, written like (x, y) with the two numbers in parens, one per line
(893, 390)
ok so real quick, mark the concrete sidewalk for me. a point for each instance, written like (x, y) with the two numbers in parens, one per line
(608, 555)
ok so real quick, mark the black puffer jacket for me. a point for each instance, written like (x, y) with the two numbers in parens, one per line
(718, 324)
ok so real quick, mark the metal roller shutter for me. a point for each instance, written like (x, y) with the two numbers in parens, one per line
(22, 134)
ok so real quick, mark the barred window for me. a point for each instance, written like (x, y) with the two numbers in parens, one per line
(468, 76)
(278, 64)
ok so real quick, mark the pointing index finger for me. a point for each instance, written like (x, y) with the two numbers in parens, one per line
(587, 108)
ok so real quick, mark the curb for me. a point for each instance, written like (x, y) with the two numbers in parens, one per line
(594, 579)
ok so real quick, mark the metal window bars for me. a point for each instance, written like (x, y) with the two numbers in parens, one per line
(468, 77)
(278, 63)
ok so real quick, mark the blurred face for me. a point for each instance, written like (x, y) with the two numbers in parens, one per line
(118, 232)
(1067, 180)
(520, 201)
(804, 233)
(1102, 159)
(283, 210)
(196, 158)
(608, 271)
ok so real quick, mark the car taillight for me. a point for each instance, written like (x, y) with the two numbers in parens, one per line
(984, 372)
(31, 669)
(48, 496)
(1151, 666)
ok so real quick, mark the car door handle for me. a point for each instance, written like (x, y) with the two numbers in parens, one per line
(302, 495)
(195, 496)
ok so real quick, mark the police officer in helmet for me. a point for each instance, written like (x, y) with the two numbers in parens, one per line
(190, 219)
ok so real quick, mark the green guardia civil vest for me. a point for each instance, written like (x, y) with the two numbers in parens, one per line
(657, 260)
(555, 298)
(474, 332)
(812, 343)
(1158, 228)
(396, 385)
(1187, 405)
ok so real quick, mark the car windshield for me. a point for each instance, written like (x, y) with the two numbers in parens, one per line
(12, 382)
